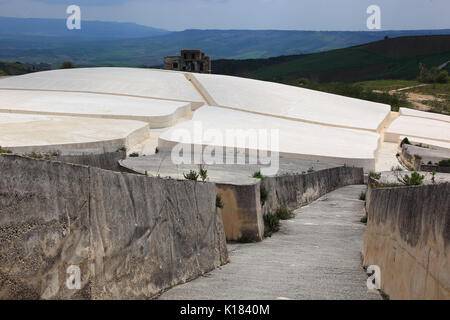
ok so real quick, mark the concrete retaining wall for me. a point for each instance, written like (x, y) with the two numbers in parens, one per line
(293, 191)
(132, 236)
(408, 237)
(108, 161)
(243, 213)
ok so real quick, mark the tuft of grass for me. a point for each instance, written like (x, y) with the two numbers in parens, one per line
(203, 174)
(34, 155)
(364, 219)
(284, 213)
(257, 175)
(362, 196)
(5, 150)
(271, 224)
(134, 155)
(415, 179)
(192, 175)
(219, 201)
(311, 170)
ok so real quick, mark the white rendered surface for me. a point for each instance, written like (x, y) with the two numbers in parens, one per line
(293, 103)
(438, 145)
(423, 114)
(414, 127)
(150, 83)
(158, 113)
(28, 131)
(296, 139)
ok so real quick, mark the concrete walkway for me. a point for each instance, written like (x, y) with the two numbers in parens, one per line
(316, 255)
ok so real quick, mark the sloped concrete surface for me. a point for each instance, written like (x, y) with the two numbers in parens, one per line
(316, 255)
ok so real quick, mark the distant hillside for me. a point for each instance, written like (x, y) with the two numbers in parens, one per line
(50, 47)
(17, 68)
(396, 58)
(56, 28)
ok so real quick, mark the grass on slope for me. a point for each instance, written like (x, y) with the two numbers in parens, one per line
(388, 59)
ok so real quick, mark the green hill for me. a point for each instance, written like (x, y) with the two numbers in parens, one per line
(396, 58)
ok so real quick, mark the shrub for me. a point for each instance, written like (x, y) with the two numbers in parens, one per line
(219, 202)
(271, 224)
(414, 180)
(311, 170)
(442, 77)
(257, 175)
(4, 150)
(67, 65)
(362, 196)
(444, 163)
(364, 219)
(123, 149)
(134, 155)
(192, 175)
(404, 141)
(284, 213)
(263, 194)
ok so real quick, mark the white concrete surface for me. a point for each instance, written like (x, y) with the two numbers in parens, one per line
(158, 113)
(415, 127)
(423, 114)
(151, 83)
(296, 139)
(293, 103)
(39, 133)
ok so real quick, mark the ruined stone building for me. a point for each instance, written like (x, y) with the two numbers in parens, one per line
(190, 60)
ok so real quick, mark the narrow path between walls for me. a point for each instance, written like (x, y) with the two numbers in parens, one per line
(315, 255)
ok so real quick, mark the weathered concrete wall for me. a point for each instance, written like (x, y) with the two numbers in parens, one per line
(242, 214)
(419, 159)
(293, 191)
(408, 237)
(132, 236)
(108, 161)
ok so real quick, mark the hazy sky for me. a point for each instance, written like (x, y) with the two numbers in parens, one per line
(244, 14)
